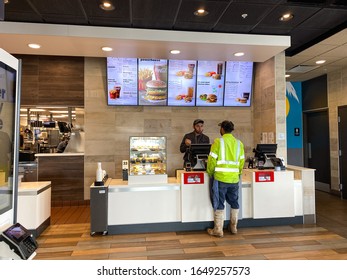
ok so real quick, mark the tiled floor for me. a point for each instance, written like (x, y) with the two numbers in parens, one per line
(324, 240)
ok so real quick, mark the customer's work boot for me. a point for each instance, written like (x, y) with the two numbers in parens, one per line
(218, 224)
(234, 216)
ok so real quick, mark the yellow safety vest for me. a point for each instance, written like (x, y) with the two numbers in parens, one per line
(226, 159)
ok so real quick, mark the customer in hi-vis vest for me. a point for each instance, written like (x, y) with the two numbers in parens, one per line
(224, 165)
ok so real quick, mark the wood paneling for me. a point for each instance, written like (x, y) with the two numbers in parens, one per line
(67, 176)
(52, 80)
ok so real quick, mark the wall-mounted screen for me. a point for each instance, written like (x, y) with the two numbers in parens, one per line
(210, 83)
(182, 82)
(152, 80)
(122, 81)
(238, 83)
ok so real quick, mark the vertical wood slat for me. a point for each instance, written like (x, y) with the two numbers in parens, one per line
(52, 80)
(66, 174)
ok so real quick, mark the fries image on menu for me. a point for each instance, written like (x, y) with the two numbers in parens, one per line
(145, 75)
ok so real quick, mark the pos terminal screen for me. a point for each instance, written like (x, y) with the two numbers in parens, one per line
(16, 232)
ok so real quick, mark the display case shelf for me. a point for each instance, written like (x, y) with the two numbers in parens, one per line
(147, 156)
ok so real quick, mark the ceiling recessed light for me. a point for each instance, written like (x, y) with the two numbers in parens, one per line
(239, 54)
(286, 17)
(34, 46)
(107, 49)
(37, 110)
(107, 6)
(175, 51)
(201, 13)
(320, 61)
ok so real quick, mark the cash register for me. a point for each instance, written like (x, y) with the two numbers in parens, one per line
(198, 155)
(265, 155)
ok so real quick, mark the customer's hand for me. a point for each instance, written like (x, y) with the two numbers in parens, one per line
(187, 142)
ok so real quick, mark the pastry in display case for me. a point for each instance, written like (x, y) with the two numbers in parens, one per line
(147, 155)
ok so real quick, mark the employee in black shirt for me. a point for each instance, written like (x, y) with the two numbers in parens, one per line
(194, 137)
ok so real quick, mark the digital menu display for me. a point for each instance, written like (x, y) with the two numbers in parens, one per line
(238, 83)
(152, 81)
(122, 81)
(210, 83)
(181, 82)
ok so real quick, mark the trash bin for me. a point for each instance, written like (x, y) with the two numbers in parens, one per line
(98, 209)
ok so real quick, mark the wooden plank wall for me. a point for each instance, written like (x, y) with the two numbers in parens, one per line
(52, 81)
(67, 176)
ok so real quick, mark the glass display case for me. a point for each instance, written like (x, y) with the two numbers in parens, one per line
(147, 156)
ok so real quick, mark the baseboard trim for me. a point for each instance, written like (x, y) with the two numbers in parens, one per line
(198, 226)
(41, 228)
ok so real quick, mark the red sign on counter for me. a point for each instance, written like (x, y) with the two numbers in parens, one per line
(264, 176)
(193, 178)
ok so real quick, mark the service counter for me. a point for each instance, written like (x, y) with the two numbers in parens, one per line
(267, 198)
(34, 206)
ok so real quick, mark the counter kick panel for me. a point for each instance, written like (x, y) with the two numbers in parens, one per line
(274, 199)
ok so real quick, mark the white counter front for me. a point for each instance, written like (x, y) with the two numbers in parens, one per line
(267, 197)
(34, 205)
(141, 204)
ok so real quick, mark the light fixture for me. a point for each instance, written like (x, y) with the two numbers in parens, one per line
(175, 51)
(37, 110)
(34, 46)
(61, 111)
(286, 17)
(287, 75)
(320, 61)
(107, 49)
(239, 54)
(201, 13)
(107, 6)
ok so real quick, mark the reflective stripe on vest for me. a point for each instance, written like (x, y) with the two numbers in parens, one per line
(223, 161)
(224, 169)
(213, 155)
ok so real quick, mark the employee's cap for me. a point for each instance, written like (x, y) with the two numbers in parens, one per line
(227, 125)
(198, 121)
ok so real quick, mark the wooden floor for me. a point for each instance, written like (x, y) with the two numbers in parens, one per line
(69, 238)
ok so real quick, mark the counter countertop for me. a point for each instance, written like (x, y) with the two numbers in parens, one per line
(58, 154)
(33, 188)
(299, 168)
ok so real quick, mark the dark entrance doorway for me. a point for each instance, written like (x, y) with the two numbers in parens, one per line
(342, 115)
(317, 148)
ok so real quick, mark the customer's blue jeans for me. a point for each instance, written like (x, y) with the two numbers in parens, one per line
(230, 193)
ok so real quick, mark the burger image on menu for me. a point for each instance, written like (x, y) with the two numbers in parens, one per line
(156, 90)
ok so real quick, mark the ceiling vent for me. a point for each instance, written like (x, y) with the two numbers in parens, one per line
(302, 69)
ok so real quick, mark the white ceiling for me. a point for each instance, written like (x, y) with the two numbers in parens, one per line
(333, 50)
(87, 41)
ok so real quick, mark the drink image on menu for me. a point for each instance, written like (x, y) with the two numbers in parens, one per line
(152, 75)
(181, 82)
(121, 81)
(210, 83)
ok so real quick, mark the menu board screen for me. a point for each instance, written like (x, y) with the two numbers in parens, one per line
(152, 81)
(210, 83)
(238, 83)
(122, 81)
(182, 81)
